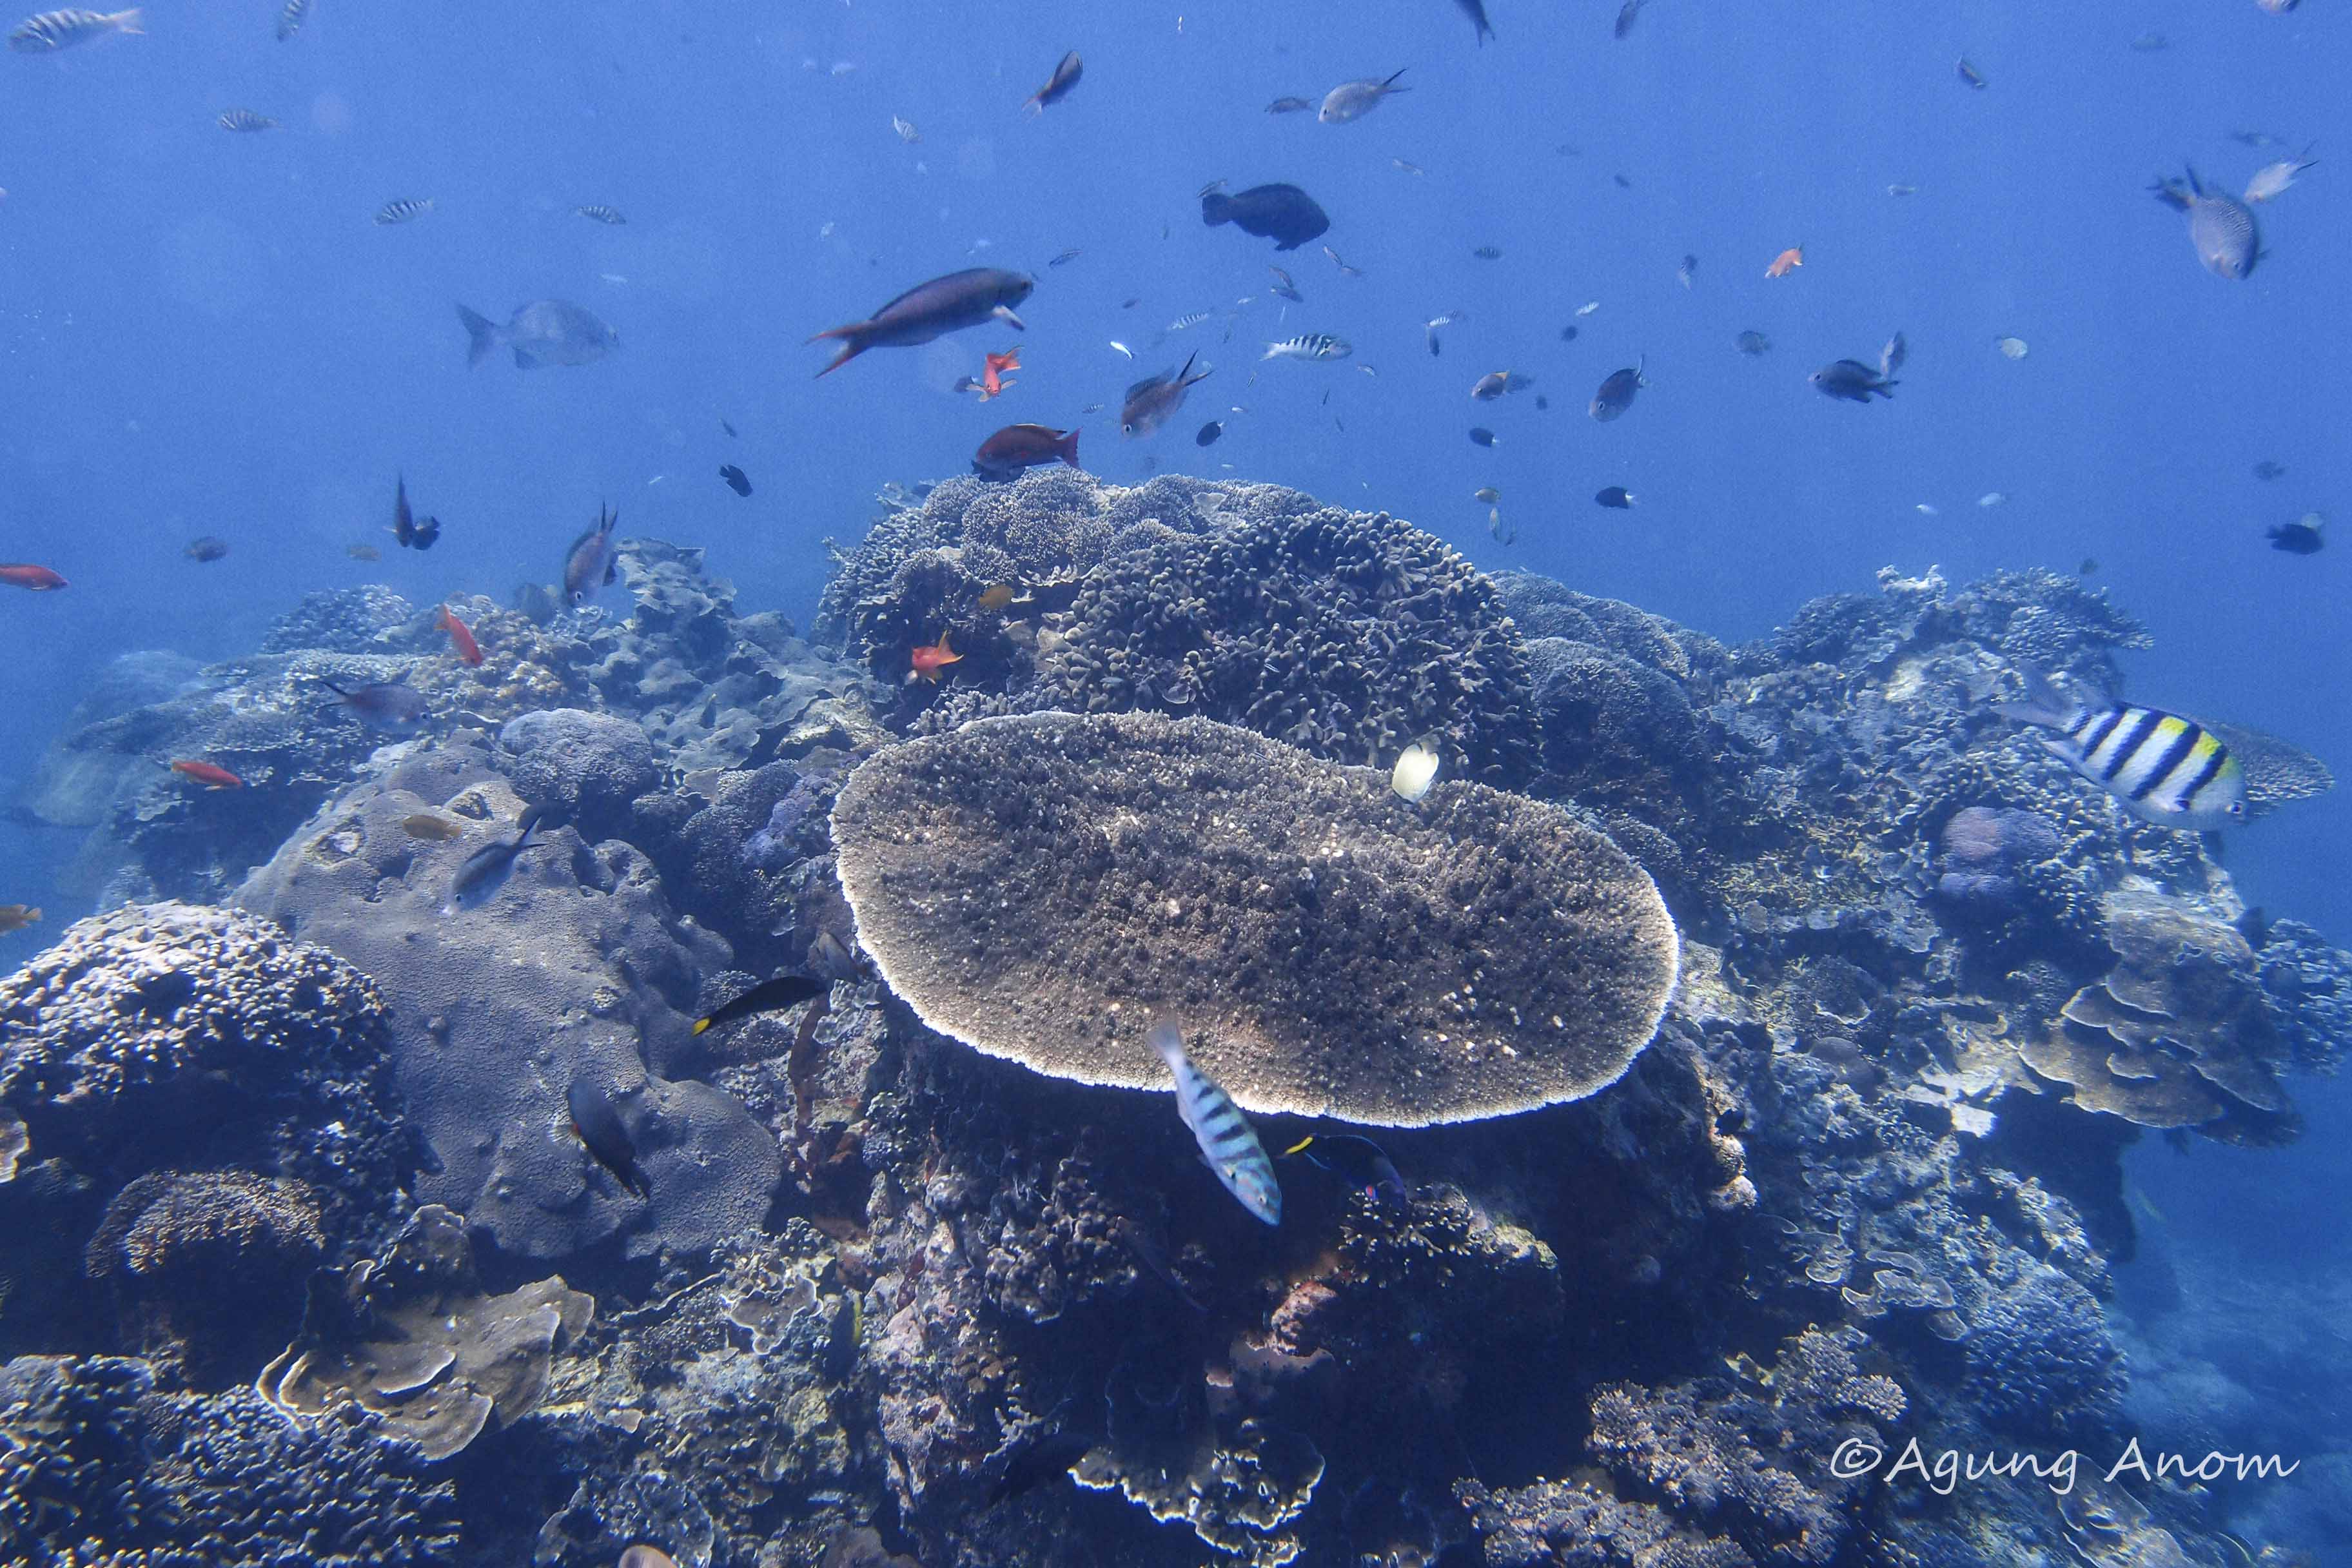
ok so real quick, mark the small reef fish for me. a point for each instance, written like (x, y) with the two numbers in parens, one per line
(1281, 213)
(1482, 436)
(1495, 383)
(1992, 499)
(1686, 271)
(461, 637)
(1616, 393)
(737, 481)
(2161, 767)
(1901, 190)
(597, 1124)
(2013, 348)
(209, 774)
(1355, 1160)
(594, 562)
(1752, 343)
(403, 210)
(206, 550)
(16, 917)
(1047, 1459)
(543, 332)
(1354, 99)
(1231, 1149)
(362, 553)
(2272, 179)
(1017, 447)
(1429, 329)
(291, 18)
(1057, 85)
(1402, 167)
(996, 596)
(1416, 770)
(434, 830)
(1488, 253)
(1289, 105)
(40, 579)
(392, 705)
(1788, 261)
(1345, 271)
(1477, 11)
(1486, 494)
(481, 874)
(1588, 307)
(411, 533)
(2220, 227)
(1970, 75)
(971, 298)
(1891, 355)
(1153, 401)
(929, 661)
(1616, 497)
(906, 129)
(993, 366)
(1310, 346)
(1065, 258)
(600, 214)
(1497, 531)
(1188, 320)
(768, 996)
(1284, 285)
(2305, 536)
(54, 30)
(1851, 381)
(2266, 470)
(244, 119)
(1208, 433)
(1627, 15)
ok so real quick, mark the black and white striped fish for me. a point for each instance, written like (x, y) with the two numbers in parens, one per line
(602, 215)
(1309, 345)
(407, 209)
(1188, 320)
(1228, 1145)
(290, 20)
(2163, 768)
(244, 119)
(54, 30)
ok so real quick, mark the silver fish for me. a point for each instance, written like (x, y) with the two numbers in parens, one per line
(1851, 381)
(1231, 1149)
(406, 209)
(1284, 285)
(1495, 383)
(2272, 179)
(600, 214)
(2220, 227)
(545, 331)
(244, 119)
(54, 30)
(485, 871)
(1188, 320)
(1310, 346)
(2159, 767)
(593, 560)
(906, 129)
(1354, 99)
(391, 705)
(1429, 329)
(290, 19)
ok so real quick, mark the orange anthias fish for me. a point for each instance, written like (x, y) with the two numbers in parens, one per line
(40, 579)
(930, 661)
(209, 774)
(460, 638)
(992, 382)
(1788, 261)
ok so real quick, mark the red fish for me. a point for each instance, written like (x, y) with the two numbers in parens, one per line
(992, 382)
(460, 638)
(40, 579)
(209, 774)
(1006, 454)
(930, 661)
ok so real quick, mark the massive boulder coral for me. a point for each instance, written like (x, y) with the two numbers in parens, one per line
(1039, 887)
(576, 969)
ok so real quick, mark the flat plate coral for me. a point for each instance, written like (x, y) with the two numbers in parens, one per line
(1040, 886)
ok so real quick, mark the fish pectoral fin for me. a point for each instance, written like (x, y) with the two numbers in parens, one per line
(1004, 313)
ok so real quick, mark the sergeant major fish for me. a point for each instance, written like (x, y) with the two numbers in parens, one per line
(2159, 766)
(1310, 346)
(593, 560)
(245, 120)
(1227, 1144)
(545, 331)
(404, 209)
(290, 18)
(481, 874)
(54, 30)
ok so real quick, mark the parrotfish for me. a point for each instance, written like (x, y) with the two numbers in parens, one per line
(1231, 1149)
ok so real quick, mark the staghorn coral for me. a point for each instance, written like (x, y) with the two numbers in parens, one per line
(412, 1338)
(1334, 950)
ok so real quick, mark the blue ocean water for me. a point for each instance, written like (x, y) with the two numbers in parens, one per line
(205, 333)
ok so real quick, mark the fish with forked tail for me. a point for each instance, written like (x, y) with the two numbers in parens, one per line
(481, 874)
(593, 561)
(1153, 401)
(2159, 766)
(596, 1122)
(545, 331)
(960, 299)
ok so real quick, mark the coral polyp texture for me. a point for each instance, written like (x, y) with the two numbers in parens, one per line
(1042, 886)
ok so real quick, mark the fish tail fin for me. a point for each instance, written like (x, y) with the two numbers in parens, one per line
(2044, 704)
(1885, 388)
(127, 21)
(852, 345)
(1391, 82)
(1163, 1037)
(529, 822)
(1067, 448)
(482, 334)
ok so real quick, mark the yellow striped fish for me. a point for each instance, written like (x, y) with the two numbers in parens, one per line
(1226, 1141)
(54, 30)
(2162, 767)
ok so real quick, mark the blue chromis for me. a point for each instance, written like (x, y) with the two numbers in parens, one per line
(2162, 768)
(1228, 1145)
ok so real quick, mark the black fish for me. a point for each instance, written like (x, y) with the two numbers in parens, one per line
(783, 991)
(1568, 333)
(2266, 469)
(1616, 496)
(960, 299)
(1208, 433)
(207, 548)
(1481, 436)
(1057, 85)
(1542, 402)
(598, 1126)
(735, 479)
(1626, 14)
(1042, 1461)
(1477, 11)
(1283, 213)
(1066, 257)
(406, 528)
(1616, 394)
(1488, 253)
(1358, 1160)
(726, 427)
(486, 869)
(1752, 342)
(1852, 381)
(2301, 537)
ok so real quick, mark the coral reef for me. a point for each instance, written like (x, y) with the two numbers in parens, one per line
(1334, 950)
